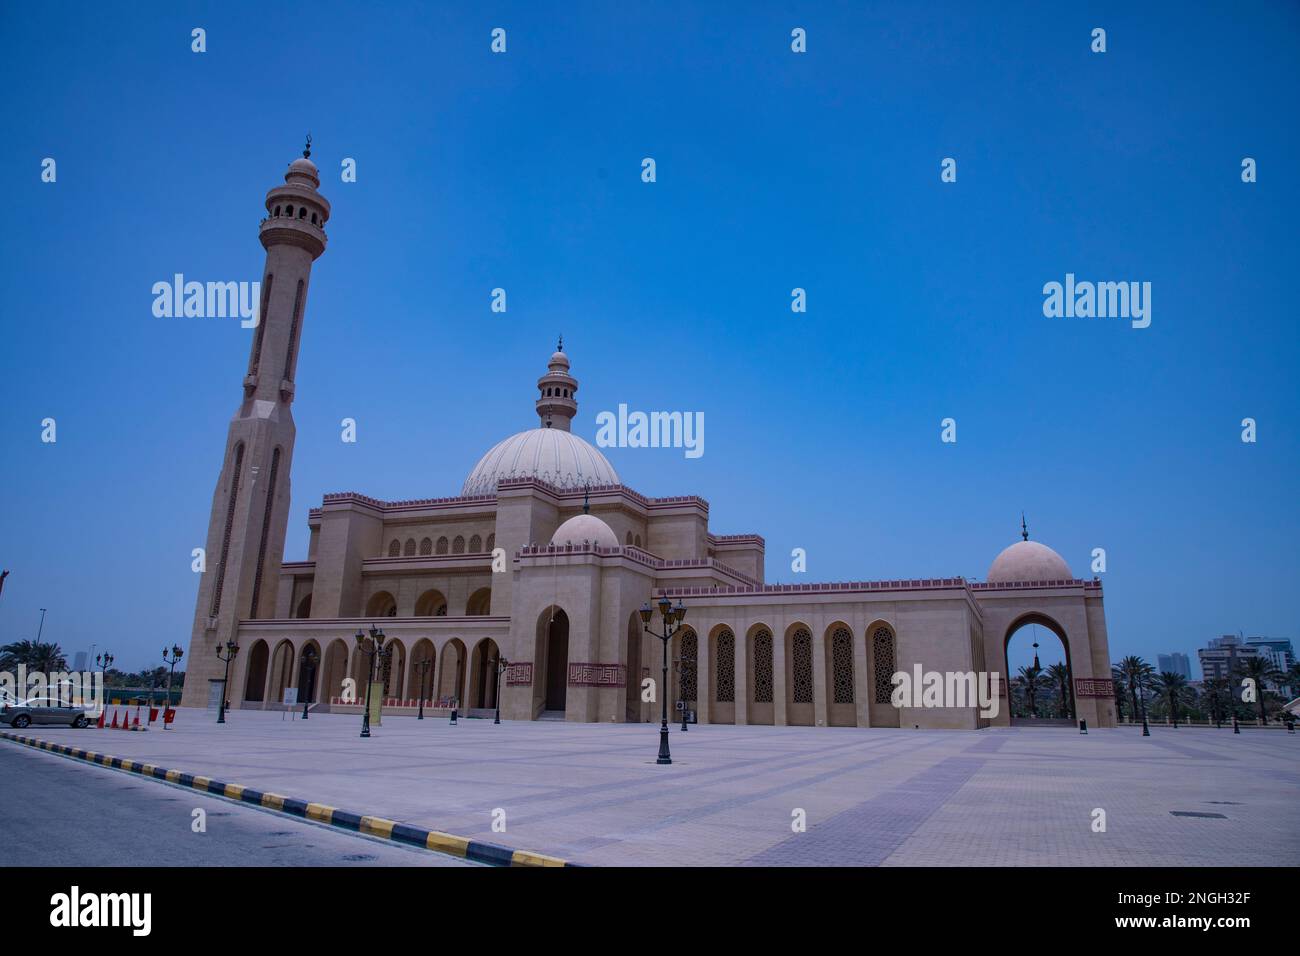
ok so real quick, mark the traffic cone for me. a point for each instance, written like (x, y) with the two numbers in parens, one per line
(100, 723)
(126, 721)
(136, 725)
(113, 725)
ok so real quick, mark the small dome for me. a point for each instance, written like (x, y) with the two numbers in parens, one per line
(553, 455)
(1029, 561)
(584, 528)
(560, 359)
(303, 170)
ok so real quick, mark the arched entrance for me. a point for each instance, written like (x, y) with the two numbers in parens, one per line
(1040, 685)
(255, 682)
(308, 673)
(451, 679)
(281, 670)
(334, 669)
(632, 674)
(422, 677)
(552, 656)
(483, 674)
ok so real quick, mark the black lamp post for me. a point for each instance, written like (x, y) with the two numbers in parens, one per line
(231, 650)
(104, 660)
(422, 666)
(309, 664)
(175, 659)
(372, 649)
(501, 665)
(670, 625)
(1142, 701)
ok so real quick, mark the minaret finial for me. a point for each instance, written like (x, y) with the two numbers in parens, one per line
(306, 150)
(1024, 528)
(560, 346)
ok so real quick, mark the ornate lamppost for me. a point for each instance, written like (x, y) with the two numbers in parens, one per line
(1142, 703)
(670, 625)
(501, 665)
(104, 661)
(309, 663)
(372, 648)
(175, 659)
(231, 650)
(422, 666)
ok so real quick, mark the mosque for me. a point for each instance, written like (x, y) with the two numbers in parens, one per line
(528, 583)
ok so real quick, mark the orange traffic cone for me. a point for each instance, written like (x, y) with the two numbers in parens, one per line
(113, 725)
(100, 723)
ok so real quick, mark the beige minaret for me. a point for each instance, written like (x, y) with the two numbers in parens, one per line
(250, 507)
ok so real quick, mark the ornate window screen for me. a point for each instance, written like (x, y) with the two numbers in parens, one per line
(842, 665)
(801, 683)
(690, 656)
(882, 648)
(726, 682)
(763, 667)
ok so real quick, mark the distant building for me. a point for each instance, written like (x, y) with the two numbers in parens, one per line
(1175, 663)
(79, 661)
(1221, 658)
(1278, 650)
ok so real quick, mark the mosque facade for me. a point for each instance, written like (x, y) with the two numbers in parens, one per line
(523, 592)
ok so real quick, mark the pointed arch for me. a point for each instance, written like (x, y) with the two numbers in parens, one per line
(759, 675)
(432, 603)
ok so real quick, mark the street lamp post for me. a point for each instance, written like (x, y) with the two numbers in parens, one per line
(231, 650)
(309, 663)
(670, 625)
(502, 664)
(1142, 700)
(422, 666)
(104, 662)
(175, 659)
(372, 649)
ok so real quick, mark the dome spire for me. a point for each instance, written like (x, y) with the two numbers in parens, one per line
(1024, 528)
(306, 150)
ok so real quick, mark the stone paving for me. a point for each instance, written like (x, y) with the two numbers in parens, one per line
(594, 794)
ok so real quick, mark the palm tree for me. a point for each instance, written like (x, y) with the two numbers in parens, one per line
(1136, 674)
(1259, 670)
(1032, 680)
(1293, 679)
(1216, 688)
(1059, 675)
(1117, 688)
(1173, 686)
(47, 658)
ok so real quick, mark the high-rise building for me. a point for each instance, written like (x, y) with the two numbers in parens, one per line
(79, 661)
(1175, 663)
(1278, 650)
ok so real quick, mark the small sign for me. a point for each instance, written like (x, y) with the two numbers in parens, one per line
(291, 695)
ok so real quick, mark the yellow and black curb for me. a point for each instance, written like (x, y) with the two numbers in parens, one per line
(435, 840)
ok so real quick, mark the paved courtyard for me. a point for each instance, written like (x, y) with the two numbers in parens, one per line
(593, 793)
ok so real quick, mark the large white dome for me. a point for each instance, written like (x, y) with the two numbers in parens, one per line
(553, 455)
(1029, 561)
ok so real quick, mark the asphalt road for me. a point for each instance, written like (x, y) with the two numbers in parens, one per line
(59, 812)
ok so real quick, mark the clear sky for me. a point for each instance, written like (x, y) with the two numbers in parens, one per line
(775, 170)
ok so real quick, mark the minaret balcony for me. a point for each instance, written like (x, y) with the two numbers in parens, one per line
(281, 231)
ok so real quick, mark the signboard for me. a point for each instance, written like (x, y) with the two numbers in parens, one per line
(291, 695)
(376, 699)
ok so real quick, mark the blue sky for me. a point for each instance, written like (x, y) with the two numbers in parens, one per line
(775, 170)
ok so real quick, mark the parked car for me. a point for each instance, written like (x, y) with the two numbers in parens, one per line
(43, 710)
